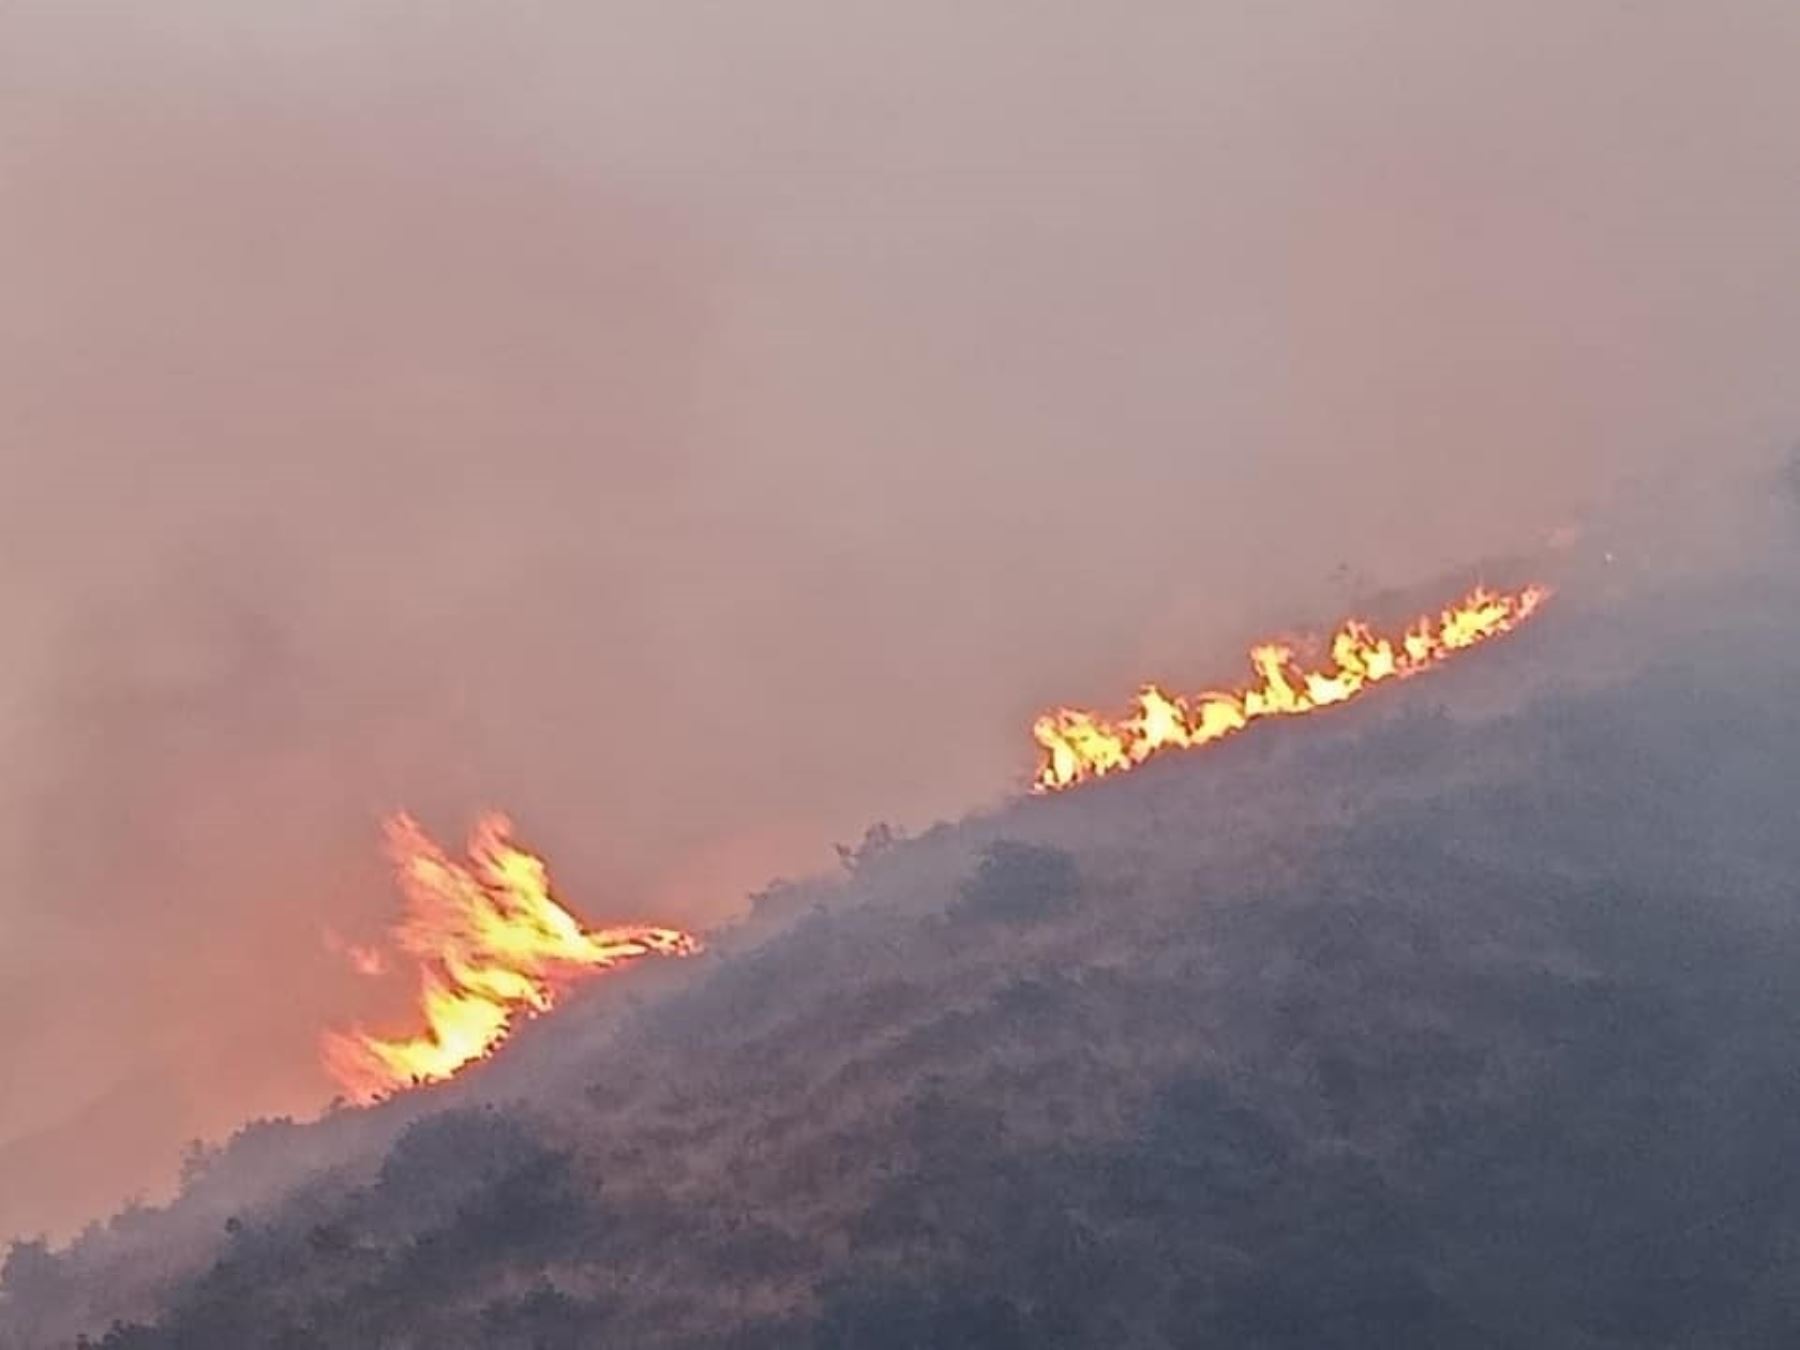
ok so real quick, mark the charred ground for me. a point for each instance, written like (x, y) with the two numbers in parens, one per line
(1397, 1028)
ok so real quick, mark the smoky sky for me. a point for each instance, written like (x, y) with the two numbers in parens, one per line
(704, 429)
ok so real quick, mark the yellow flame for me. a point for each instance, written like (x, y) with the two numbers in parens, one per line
(1079, 746)
(492, 944)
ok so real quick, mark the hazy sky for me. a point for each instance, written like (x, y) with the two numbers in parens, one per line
(703, 429)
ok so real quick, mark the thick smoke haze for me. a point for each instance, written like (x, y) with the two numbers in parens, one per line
(701, 430)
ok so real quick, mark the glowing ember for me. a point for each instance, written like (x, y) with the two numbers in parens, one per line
(1080, 746)
(492, 945)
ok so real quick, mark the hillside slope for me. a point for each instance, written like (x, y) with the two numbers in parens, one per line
(1388, 1027)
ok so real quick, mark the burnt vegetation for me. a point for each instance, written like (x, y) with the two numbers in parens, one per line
(1019, 883)
(1401, 1030)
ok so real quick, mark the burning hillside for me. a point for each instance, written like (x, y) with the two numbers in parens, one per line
(1079, 746)
(492, 944)
(1406, 1058)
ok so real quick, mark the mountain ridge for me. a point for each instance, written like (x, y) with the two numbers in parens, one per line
(1389, 1026)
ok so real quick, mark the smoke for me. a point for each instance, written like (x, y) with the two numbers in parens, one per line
(1387, 1004)
(702, 430)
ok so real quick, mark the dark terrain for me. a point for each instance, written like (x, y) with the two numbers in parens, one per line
(1461, 1018)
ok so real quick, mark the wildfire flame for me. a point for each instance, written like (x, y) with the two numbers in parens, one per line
(1080, 746)
(492, 945)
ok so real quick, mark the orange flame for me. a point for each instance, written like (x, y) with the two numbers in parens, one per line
(1080, 746)
(492, 944)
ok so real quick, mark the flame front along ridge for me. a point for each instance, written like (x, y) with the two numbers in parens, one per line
(1078, 746)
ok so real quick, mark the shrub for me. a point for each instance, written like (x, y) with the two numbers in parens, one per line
(1019, 883)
